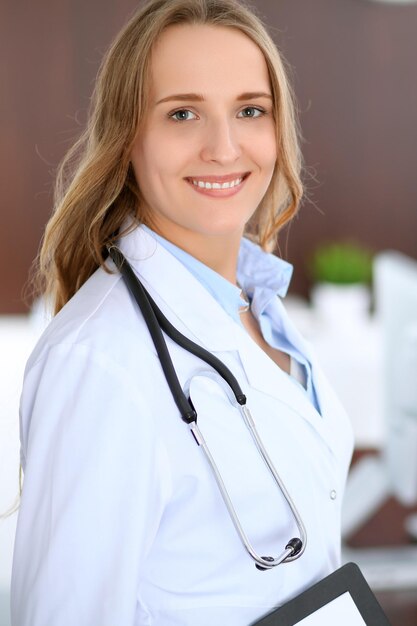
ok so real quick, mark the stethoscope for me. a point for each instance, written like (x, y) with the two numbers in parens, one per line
(156, 323)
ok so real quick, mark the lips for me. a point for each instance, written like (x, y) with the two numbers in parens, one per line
(219, 178)
(217, 183)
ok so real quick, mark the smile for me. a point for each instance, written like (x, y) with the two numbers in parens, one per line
(221, 186)
(206, 185)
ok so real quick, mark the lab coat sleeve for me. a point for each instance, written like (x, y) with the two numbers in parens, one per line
(96, 483)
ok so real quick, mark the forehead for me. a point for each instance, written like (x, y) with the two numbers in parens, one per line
(206, 59)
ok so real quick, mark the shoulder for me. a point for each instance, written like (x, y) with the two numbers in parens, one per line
(101, 319)
(91, 369)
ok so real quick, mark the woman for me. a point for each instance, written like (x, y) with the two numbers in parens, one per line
(192, 142)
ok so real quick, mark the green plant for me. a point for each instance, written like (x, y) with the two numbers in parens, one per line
(341, 263)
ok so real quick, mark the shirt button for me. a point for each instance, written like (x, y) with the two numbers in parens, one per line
(333, 494)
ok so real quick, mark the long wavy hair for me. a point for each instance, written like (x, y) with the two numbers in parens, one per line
(96, 189)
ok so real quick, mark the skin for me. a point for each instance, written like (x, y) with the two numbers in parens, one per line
(210, 121)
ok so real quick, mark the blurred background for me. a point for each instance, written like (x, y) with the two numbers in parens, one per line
(353, 65)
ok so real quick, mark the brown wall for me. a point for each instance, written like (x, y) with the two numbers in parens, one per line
(356, 83)
(355, 79)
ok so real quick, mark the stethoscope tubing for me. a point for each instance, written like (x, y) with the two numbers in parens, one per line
(156, 322)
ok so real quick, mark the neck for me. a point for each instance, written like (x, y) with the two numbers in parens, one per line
(219, 252)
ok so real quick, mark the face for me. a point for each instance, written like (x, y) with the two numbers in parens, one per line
(205, 154)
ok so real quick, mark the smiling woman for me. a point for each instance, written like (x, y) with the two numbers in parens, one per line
(204, 166)
(191, 145)
(97, 173)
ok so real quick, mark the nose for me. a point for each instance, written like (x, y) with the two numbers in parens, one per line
(221, 142)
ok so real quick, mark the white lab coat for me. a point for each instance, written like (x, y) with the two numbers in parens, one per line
(121, 522)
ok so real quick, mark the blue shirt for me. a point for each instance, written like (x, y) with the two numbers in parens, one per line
(263, 277)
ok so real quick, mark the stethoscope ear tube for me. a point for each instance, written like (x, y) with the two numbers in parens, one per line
(187, 411)
(156, 322)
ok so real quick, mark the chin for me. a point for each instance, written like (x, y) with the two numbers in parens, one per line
(219, 228)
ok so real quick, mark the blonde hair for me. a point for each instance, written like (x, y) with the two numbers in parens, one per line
(96, 189)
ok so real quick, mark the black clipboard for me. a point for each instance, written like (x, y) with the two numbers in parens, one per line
(347, 579)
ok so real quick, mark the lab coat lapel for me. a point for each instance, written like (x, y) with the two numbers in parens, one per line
(264, 376)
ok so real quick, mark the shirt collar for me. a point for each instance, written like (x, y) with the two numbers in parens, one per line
(259, 269)
(260, 274)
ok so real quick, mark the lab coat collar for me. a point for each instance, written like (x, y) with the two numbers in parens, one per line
(189, 300)
(184, 300)
(227, 294)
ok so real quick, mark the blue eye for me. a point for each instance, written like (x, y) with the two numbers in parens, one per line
(251, 112)
(182, 115)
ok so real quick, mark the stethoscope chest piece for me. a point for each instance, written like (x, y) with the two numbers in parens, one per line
(296, 546)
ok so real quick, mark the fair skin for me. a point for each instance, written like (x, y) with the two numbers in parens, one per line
(206, 151)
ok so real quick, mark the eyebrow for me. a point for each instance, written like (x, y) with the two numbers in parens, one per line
(195, 97)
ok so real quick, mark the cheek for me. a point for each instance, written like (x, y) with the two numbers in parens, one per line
(156, 166)
(160, 158)
(263, 148)
(270, 148)
(146, 161)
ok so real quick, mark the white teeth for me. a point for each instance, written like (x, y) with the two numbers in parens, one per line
(228, 185)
